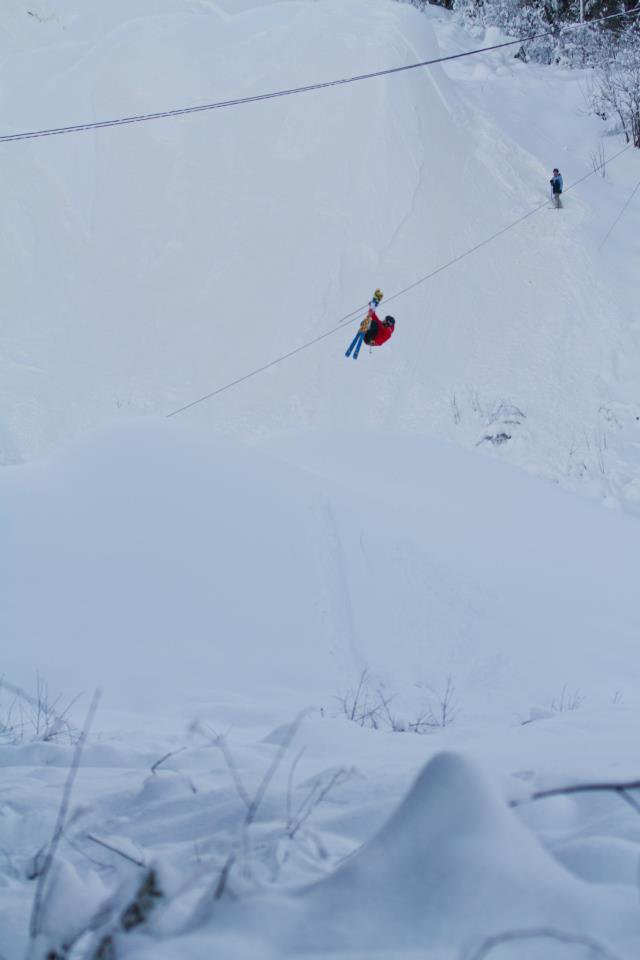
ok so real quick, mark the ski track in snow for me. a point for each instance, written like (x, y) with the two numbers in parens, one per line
(333, 569)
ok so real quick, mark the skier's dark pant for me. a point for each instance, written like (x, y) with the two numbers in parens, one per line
(372, 332)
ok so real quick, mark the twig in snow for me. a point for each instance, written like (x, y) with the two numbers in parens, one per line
(314, 798)
(172, 753)
(121, 853)
(38, 713)
(77, 847)
(599, 161)
(359, 705)
(275, 763)
(220, 742)
(254, 804)
(448, 704)
(567, 701)
(398, 726)
(364, 676)
(292, 771)
(423, 722)
(541, 933)
(621, 789)
(37, 862)
(38, 900)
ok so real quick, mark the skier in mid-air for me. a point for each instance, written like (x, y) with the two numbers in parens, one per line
(372, 330)
(556, 186)
(378, 331)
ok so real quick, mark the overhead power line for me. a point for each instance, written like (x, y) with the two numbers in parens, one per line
(292, 91)
(350, 317)
(626, 204)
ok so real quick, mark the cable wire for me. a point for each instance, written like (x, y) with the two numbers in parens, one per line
(257, 98)
(350, 317)
(627, 202)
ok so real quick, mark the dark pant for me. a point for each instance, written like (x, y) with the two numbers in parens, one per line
(372, 332)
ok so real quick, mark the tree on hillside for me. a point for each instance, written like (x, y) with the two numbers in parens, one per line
(616, 88)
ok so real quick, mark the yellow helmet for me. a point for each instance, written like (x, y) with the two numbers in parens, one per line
(378, 295)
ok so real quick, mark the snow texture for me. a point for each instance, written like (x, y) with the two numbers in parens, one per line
(329, 541)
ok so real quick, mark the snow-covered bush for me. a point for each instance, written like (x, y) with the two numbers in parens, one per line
(514, 18)
(568, 700)
(616, 86)
(575, 47)
(421, 4)
(612, 48)
(370, 705)
(40, 717)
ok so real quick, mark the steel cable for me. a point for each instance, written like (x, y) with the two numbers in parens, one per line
(350, 317)
(292, 91)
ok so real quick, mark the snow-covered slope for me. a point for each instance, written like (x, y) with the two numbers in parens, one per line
(147, 265)
(311, 540)
(209, 587)
(148, 552)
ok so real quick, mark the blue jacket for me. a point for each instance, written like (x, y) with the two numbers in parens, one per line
(556, 183)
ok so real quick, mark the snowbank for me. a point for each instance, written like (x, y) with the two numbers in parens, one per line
(448, 866)
(156, 562)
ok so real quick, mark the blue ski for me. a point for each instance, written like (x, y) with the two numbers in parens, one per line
(358, 345)
(354, 346)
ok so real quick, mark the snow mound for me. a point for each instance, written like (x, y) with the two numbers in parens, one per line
(164, 561)
(152, 561)
(450, 863)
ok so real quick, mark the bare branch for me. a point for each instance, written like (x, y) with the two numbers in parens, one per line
(359, 705)
(424, 721)
(567, 701)
(79, 849)
(254, 804)
(60, 721)
(292, 771)
(275, 763)
(221, 885)
(121, 853)
(395, 724)
(448, 704)
(315, 798)
(621, 789)
(221, 744)
(172, 753)
(630, 800)
(46, 721)
(38, 900)
(364, 677)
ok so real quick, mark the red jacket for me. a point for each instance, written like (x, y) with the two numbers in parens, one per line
(382, 333)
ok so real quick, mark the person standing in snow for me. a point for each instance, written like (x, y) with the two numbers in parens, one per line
(378, 331)
(556, 187)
